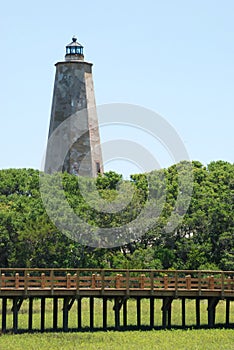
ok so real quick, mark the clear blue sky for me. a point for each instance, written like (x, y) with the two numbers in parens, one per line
(175, 57)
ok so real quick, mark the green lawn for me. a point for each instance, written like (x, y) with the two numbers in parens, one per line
(175, 339)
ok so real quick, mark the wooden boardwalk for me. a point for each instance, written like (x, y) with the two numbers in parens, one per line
(72, 285)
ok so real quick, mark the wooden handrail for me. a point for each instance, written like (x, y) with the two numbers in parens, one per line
(103, 279)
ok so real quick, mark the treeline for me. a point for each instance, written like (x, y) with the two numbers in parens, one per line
(203, 239)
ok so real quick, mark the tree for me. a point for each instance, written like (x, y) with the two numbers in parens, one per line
(204, 238)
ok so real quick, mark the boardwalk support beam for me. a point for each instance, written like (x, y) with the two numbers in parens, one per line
(212, 303)
(117, 306)
(183, 312)
(152, 312)
(30, 314)
(91, 312)
(79, 313)
(17, 302)
(67, 305)
(138, 312)
(166, 312)
(227, 312)
(104, 312)
(42, 314)
(198, 312)
(55, 313)
(125, 312)
(4, 314)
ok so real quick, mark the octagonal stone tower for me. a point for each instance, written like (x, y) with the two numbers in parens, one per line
(74, 96)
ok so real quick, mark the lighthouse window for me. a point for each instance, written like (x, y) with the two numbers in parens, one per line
(73, 50)
(98, 168)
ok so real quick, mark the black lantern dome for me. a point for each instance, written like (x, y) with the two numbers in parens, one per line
(74, 51)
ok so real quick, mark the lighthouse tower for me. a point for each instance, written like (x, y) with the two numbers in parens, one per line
(74, 118)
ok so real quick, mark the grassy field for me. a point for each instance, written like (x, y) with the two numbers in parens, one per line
(170, 339)
(154, 339)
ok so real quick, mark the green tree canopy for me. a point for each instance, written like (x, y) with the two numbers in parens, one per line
(203, 239)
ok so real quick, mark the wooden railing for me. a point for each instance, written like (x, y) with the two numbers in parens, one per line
(104, 279)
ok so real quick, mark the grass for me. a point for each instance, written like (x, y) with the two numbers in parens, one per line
(204, 339)
(175, 339)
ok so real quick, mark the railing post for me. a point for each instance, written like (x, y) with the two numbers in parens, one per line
(176, 283)
(43, 280)
(165, 281)
(152, 282)
(77, 281)
(222, 285)
(52, 281)
(68, 280)
(26, 278)
(117, 281)
(188, 281)
(93, 283)
(120, 280)
(229, 287)
(127, 282)
(142, 281)
(102, 280)
(3, 280)
(199, 282)
(16, 280)
(211, 282)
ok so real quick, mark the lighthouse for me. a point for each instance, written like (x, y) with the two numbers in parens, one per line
(74, 140)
